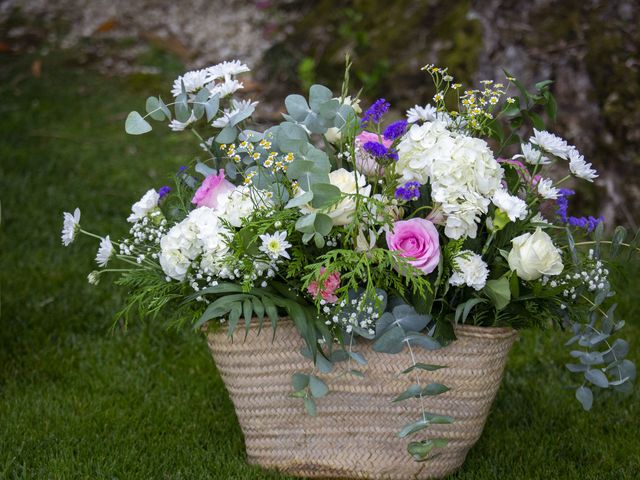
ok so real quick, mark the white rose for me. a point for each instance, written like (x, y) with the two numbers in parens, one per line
(142, 207)
(534, 255)
(333, 135)
(342, 212)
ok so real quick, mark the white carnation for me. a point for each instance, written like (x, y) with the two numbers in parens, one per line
(142, 207)
(550, 143)
(547, 190)
(514, 207)
(469, 269)
(579, 167)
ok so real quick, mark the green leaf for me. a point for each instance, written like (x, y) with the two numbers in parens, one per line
(241, 116)
(272, 313)
(551, 106)
(322, 224)
(136, 125)
(164, 108)
(498, 292)
(310, 406)
(358, 357)
(247, 313)
(234, 317)
(585, 396)
(412, 392)
(153, 108)
(434, 389)
(317, 387)
(300, 381)
(182, 108)
(391, 341)
(543, 84)
(423, 366)
(306, 224)
(324, 195)
(619, 234)
(258, 307)
(413, 427)
(318, 94)
(597, 377)
(421, 340)
(297, 107)
(420, 450)
(300, 200)
(199, 103)
(227, 135)
(211, 107)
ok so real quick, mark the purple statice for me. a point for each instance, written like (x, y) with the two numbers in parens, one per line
(392, 154)
(181, 169)
(376, 149)
(164, 191)
(395, 130)
(408, 191)
(375, 112)
(588, 223)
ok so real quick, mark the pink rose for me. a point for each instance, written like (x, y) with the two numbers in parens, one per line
(417, 239)
(212, 187)
(365, 163)
(327, 291)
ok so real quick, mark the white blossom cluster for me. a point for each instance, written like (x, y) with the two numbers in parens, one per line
(594, 277)
(358, 312)
(462, 171)
(145, 238)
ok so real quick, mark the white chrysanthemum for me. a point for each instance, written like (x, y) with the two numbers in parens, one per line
(550, 143)
(532, 155)
(579, 167)
(421, 114)
(142, 207)
(94, 277)
(228, 87)
(539, 220)
(275, 245)
(547, 190)
(226, 69)
(178, 126)
(237, 107)
(104, 252)
(461, 170)
(469, 269)
(514, 207)
(193, 81)
(70, 226)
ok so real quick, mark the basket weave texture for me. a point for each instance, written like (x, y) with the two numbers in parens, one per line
(354, 434)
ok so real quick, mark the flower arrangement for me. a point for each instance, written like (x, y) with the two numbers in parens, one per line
(360, 229)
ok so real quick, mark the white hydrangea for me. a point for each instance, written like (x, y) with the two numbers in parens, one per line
(200, 234)
(579, 167)
(532, 155)
(142, 207)
(461, 170)
(241, 203)
(551, 143)
(547, 190)
(469, 269)
(514, 207)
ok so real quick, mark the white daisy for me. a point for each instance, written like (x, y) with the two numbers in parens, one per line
(579, 167)
(104, 252)
(228, 87)
(275, 245)
(178, 126)
(193, 81)
(226, 69)
(550, 143)
(70, 227)
(546, 189)
(532, 155)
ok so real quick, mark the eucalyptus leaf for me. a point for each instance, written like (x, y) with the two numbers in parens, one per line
(136, 125)
(498, 292)
(310, 406)
(585, 396)
(597, 377)
(299, 381)
(227, 135)
(317, 387)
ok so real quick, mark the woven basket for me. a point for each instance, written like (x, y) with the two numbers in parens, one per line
(354, 434)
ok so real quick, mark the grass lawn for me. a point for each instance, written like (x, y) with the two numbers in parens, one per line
(78, 400)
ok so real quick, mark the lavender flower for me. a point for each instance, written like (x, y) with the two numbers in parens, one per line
(164, 191)
(395, 130)
(408, 191)
(588, 223)
(375, 112)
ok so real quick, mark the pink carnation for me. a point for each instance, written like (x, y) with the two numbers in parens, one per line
(416, 239)
(327, 291)
(212, 187)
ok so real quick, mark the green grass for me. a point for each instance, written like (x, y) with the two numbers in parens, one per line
(78, 400)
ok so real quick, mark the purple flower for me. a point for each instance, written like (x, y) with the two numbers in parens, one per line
(395, 130)
(588, 223)
(181, 170)
(164, 191)
(408, 191)
(375, 112)
(376, 149)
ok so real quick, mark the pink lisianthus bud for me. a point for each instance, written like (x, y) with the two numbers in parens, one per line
(211, 189)
(416, 239)
(366, 163)
(328, 288)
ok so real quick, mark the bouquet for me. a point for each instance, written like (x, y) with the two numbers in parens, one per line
(360, 229)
